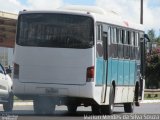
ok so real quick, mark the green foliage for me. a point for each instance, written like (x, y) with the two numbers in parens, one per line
(158, 40)
(153, 69)
(151, 96)
(151, 35)
(153, 63)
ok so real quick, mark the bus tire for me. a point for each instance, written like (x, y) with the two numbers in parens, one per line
(72, 109)
(136, 99)
(108, 109)
(43, 106)
(8, 106)
(96, 109)
(128, 107)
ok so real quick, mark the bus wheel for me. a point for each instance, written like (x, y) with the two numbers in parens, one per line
(136, 95)
(43, 106)
(128, 107)
(96, 109)
(8, 106)
(108, 109)
(72, 109)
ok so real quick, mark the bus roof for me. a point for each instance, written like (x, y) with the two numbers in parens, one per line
(99, 14)
(106, 16)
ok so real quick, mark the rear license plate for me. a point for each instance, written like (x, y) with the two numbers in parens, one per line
(51, 91)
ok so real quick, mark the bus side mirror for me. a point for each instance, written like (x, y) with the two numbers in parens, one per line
(8, 71)
(146, 37)
(149, 44)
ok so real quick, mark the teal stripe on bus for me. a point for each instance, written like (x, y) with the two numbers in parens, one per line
(126, 72)
(100, 71)
(132, 72)
(114, 70)
(120, 70)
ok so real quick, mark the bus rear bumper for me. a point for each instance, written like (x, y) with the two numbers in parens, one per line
(30, 90)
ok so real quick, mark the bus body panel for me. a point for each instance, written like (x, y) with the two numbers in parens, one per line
(98, 95)
(131, 93)
(119, 92)
(53, 65)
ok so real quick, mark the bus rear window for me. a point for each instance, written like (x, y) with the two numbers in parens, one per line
(55, 30)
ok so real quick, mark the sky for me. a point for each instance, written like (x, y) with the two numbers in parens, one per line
(128, 9)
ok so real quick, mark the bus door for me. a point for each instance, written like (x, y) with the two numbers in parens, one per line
(105, 57)
(101, 59)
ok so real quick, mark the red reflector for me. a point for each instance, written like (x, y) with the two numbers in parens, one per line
(90, 72)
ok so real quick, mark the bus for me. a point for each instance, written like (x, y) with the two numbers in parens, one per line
(77, 56)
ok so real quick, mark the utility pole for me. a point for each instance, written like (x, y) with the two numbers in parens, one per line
(141, 13)
(142, 79)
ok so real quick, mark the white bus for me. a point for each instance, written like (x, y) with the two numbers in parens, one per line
(77, 56)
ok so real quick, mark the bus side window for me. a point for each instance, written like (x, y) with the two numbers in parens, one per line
(120, 43)
(124, 38)
(109, 42)
(136, 45)
(105, 41)
(129, 37)
(109, 34)
(99, 33)
(128, 44)
(99, 41)
(137, 39)
(132, 52)
(117, 35)
(132, 38)
(113, 37)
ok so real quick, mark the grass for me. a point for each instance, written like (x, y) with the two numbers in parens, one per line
(152, 97)
(19, 100)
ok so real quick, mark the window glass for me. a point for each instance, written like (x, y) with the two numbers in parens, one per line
(132, 39)
(55, 30)
(121, 37)
(114, 35)
(128, 37)
(111, 35)
(136, 39)
(124, 36)
(99, 45)
(118, 35)
(99, 32)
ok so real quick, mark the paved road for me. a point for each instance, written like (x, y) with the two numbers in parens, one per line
(26, 112)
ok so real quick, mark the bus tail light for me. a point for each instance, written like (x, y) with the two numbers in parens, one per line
(16, 71)
(90, 74)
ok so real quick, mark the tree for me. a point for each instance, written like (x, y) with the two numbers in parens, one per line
(153, 63)
(153, 69)
(151, 35)
(158, 40)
